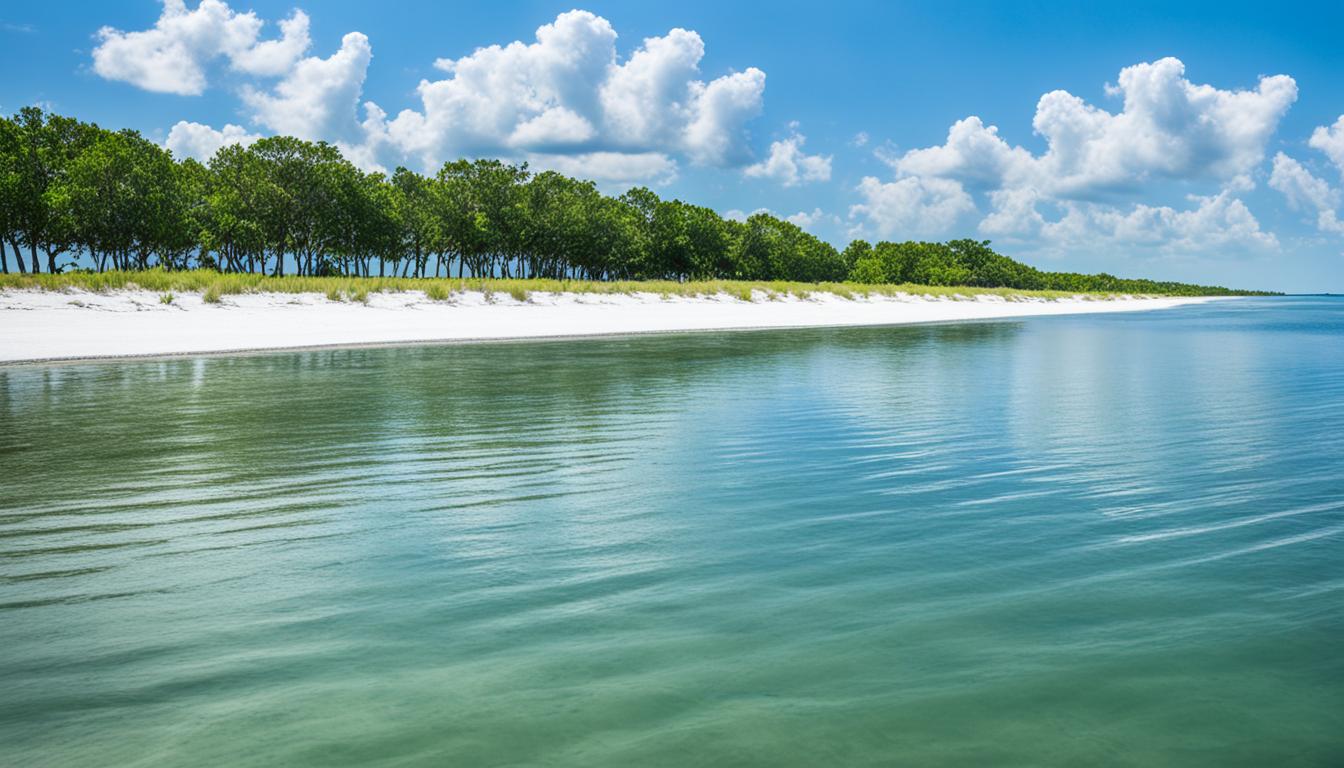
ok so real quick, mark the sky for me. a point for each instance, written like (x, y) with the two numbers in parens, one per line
(1196, 141)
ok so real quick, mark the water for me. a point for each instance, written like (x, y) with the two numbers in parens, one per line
(1106, 540)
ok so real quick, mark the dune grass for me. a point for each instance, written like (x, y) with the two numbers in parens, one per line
(214, 285)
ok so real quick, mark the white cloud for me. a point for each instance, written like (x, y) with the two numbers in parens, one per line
(739, 215)
(914, 206)
(1169, 131)
(556, 126)
(275, 57)
(716, 134)
(1300, 187)
(188, 139)
(788, 165)
(646, 100)
(1306, 192)
(318, 97)
(1216, 222)
(1169, 128)
(973, 153)
(171, 56)
(1329, 221)
(618, 170)
(808, 220)
(567, 93)
(1014, 213)
(1330, 140)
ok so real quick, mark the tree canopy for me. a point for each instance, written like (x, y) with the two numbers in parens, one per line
(85, 197)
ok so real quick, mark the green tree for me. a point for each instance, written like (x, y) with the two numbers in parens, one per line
(10, 194)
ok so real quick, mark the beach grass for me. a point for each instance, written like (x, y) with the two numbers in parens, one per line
(214, 285)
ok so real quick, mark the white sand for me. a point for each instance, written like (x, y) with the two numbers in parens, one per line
(45, 325)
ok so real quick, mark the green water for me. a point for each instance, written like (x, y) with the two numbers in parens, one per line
(1107, 540)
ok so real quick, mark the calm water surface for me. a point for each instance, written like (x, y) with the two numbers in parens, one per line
(1106, 540)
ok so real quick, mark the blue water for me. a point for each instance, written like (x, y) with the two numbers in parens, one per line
(1096, 540)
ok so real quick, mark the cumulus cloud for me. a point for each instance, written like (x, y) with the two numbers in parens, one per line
(616, 170)
(1168, 131)
(318, 97)
(564, 99)
(739, 215)
(1299, 186)
(1213, 222)
(1305, 191)
(275, 57)
(915, 206)
(788, 165)
(171, 57)
(716, 133)
(1013, 214)
(1330, 140)
(1218, 221)
(808, 220)
(645, 100)
(567, 93)
(973, 153)
(188, 139)
(1168, 128)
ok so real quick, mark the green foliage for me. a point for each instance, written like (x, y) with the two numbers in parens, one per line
(340, 288)
(974, 263)
(80, 194)
(437, 291)
(166, 298)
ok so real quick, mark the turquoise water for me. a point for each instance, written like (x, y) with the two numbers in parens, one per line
(1104, 540)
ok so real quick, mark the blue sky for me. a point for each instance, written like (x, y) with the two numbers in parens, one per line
(1202, 142)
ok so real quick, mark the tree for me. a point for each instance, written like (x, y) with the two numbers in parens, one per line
(298, 205)
(412, 200)
(45, 145)
(856, 251)
(10, 194)
(232, 217)
(72, 189)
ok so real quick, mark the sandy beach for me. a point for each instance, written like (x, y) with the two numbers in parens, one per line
(70, 325)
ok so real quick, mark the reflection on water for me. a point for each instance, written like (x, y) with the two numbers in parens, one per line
(1050, 542)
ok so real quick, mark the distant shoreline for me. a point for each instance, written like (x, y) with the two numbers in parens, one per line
(49, 326)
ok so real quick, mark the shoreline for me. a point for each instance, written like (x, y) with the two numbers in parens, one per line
(45, 327)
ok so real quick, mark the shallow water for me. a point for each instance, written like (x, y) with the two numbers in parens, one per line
(1106, 540)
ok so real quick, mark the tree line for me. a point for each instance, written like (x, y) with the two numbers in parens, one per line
(77, 196)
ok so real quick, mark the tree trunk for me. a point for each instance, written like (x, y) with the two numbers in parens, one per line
(18, 256)
(4, 259)
(32, 254)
